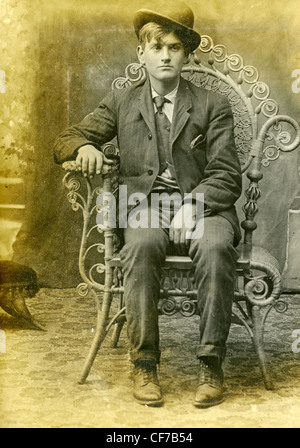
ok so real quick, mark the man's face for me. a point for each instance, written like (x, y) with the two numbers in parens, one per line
(163, 59)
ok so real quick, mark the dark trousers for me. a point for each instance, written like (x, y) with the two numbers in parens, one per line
(214, 258)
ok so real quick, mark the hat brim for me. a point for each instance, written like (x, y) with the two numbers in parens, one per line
(144, 16)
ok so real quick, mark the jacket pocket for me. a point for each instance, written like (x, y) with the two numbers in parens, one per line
(197, 143)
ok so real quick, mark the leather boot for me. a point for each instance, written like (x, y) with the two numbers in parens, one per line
(209, 390)
(146, 386)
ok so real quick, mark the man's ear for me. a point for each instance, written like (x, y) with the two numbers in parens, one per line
(140, 54)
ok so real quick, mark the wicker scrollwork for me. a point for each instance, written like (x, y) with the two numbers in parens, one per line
(73, 186)
(133, 73)
(283, 139)
(281, 306)
(188, 307)
(76, 184)
(257, 290)
(179, 304)
(249, 116)
(83, 289)
(168, 306)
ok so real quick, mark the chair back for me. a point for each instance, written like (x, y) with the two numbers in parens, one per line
(261, 133)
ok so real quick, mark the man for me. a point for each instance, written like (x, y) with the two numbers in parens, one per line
(173, 137)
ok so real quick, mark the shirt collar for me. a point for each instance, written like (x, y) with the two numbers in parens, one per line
(170, 96)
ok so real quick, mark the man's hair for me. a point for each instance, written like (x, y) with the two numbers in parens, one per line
(152, 30)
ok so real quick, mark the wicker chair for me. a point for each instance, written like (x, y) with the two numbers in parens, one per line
(260, 134)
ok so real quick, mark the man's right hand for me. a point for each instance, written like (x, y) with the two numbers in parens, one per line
(90, 161)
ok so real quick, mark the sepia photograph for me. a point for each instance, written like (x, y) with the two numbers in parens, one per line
(150, 216)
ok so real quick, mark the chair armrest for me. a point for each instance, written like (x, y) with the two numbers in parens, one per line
(70, 166)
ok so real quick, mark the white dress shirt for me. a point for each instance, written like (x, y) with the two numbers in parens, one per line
(168, 108)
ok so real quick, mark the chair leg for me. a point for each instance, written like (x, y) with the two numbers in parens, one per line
(117, 331)
(258, 328)
(101, 332)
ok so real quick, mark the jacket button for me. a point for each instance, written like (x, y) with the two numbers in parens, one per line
(150, 172)
(149, 136)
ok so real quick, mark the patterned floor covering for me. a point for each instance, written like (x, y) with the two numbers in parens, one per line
(39, 373)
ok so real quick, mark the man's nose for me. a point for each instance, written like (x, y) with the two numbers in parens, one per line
(165, 54)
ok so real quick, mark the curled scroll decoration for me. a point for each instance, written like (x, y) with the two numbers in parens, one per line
(178, 292)
(83, 289)
(73, 182)
(257, 289)
(249, 74)
(281, 306)
(73, 186)
(259, 91)
(172, 305)
(188, 307)
(282, 139)
(168, 306)
(100, 269)
(133, 73)
(251, 107)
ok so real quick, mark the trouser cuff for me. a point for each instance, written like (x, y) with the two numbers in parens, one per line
(145, 355)
(211, 350)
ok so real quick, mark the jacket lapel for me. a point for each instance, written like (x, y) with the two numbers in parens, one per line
(146, 106)
(182, 106)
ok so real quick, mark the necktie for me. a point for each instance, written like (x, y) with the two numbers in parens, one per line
(159, 102)
(163, 126)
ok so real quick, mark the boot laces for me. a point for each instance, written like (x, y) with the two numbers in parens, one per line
(209, 374)
(146, 372)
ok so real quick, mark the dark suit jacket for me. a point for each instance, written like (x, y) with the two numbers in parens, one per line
(202, 141)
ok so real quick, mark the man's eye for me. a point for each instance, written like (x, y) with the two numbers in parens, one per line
(156, 47)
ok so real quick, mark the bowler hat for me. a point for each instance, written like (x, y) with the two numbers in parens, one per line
(177, 14)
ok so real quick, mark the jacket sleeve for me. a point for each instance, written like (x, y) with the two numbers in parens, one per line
(96, 128)
(222, 181)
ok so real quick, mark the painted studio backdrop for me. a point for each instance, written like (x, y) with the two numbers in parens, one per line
(59, 59)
